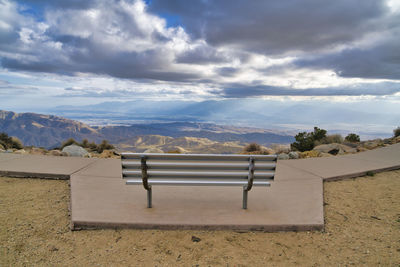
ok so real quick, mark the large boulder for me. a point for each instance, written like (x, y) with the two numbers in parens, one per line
(335, 149)
(75, 151)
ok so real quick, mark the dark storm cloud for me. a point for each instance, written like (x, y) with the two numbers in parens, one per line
(228, 71)
(123, 40)
(77, 41)
(274, 27)
(381, 61)
(240, 91)
(75, 4)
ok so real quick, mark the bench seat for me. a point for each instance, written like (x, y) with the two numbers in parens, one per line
(149, 169)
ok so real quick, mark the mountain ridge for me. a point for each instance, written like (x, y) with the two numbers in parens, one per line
(49, 131)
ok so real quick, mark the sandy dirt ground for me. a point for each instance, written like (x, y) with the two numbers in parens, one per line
(362, 228)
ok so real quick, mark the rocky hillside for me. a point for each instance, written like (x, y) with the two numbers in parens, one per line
(159, 144)
(44, 130)
(50, 131)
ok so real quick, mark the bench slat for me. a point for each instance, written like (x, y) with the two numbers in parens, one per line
(194, 182)
(194, 174)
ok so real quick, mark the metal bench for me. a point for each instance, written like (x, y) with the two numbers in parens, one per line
(150, 169)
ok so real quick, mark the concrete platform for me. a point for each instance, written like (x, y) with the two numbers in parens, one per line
(105, 201)
(37, 166)
(100, 198)
(349, 166)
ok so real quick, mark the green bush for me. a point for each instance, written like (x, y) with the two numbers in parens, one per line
(396, 132)
(306, 141)
(353, 138)
(9, 142)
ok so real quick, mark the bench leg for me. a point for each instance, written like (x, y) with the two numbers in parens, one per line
(149, 204)
(245, 198)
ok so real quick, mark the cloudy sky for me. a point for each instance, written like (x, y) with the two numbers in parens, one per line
(56, 52)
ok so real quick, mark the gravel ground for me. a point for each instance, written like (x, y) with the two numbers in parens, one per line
(362, 228)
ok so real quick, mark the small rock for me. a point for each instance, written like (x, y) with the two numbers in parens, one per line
(55, 152)
(75, 151)
(9, 151)
(283, 156)
(196, 239)
(21, 151)
(293, 155)
(53, 248)
(322, 154)
(37, 151)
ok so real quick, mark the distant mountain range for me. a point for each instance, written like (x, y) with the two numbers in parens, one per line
(369, 119)
(50, 131)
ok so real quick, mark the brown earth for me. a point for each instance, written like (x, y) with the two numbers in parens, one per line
(362, 228)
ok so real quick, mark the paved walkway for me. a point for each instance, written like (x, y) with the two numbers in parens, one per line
(100, 198)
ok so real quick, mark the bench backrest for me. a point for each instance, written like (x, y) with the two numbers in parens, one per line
(198, 169)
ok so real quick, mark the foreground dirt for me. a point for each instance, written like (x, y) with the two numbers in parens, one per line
(362, 228)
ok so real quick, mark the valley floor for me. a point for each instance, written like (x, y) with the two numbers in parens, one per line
(362, 227)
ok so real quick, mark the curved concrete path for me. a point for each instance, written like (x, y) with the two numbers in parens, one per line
(100, 198)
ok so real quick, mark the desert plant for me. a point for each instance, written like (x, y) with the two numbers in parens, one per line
(333, 138)
(252, 147)
(92, 146)
(329, 139)
(306, 141)
(103, 146)
(352, 137)
(396, 132)
(16, 143)
(85, 143)
(9, 142)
